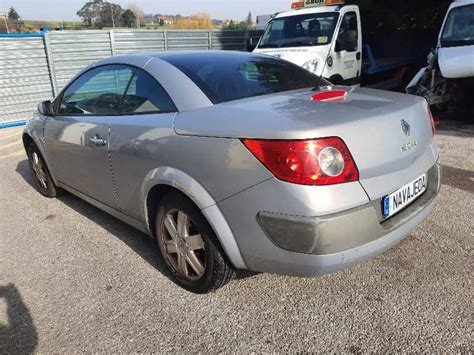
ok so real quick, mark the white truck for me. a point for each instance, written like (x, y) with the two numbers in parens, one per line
(448, 80)
(322, 36)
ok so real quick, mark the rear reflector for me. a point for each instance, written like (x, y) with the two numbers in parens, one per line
(329, 95)
(323, 161)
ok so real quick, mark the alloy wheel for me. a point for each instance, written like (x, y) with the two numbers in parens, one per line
(183, 245)
(39, 170)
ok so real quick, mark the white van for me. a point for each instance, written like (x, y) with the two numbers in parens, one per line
(324, 39)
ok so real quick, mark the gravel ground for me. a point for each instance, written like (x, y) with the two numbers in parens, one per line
(74, 279)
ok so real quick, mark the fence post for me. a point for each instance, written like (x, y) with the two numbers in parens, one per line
(247, 38)
(165, 36)
(49, 60)
(210, 39)
(112, 41)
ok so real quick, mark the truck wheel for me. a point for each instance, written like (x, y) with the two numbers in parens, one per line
(189, 246)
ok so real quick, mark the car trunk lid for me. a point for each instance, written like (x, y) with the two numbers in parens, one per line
(386, 133)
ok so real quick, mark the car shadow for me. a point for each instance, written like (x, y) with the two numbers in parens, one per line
(138, 241)
(19, 335)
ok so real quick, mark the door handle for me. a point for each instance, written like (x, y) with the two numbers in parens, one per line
(98, 141)
(358, 55)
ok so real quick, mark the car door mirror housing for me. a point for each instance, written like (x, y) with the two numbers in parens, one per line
(46, 108)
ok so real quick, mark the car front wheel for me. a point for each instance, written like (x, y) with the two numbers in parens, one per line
(189, 246)
(40, 172)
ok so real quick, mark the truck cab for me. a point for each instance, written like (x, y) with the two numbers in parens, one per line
(322, 36)
(447, 82)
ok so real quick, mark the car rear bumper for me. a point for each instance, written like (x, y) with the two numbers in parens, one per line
(309, 246)
(342, 231)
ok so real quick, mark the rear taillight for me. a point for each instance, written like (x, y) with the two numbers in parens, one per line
(323, 161)
(433, 124)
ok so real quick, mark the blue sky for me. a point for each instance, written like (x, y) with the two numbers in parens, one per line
(65, 10)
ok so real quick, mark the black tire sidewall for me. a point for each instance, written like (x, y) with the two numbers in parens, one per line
(51, 190)
(211, 246)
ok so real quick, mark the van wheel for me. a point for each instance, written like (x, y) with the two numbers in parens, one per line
(44, 182)
(190, 247)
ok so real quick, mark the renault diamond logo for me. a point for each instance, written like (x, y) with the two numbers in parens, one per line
(406, 128)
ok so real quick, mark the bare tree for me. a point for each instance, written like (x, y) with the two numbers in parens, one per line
(139, 14)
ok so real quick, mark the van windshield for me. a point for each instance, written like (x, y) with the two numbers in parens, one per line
(300, 31)
(459, 27)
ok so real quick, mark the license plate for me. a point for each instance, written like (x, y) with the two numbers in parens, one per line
(398, 200)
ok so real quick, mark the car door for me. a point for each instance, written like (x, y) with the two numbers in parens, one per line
(138, 137)
(348, 62)
(77, 137)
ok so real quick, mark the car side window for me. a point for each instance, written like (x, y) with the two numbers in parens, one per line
(146, 95)
(97, 92)
(349, 31)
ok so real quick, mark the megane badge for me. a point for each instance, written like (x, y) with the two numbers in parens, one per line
(406, 128)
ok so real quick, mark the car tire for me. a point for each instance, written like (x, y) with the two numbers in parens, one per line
(43, 181)
(190, 247)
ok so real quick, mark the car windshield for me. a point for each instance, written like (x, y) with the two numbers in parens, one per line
(232, 76)
(459, 27)
(300, 31)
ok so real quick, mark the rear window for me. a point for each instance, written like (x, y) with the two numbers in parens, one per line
(229, 77)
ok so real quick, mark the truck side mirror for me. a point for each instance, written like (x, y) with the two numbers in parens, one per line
(340, 45)
(45, 108)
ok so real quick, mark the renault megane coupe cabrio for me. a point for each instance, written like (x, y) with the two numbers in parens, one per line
(239, 161)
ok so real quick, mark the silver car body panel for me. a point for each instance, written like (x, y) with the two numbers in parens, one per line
(198, 151)
(369, 122)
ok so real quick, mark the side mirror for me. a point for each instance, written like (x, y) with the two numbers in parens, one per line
(340, 45)
(45, 108)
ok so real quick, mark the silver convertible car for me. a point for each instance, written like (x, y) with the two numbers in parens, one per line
(239, 161)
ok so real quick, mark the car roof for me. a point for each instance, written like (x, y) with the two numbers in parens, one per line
(143, 58)
(198, 53)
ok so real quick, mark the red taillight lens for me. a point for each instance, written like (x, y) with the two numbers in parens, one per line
(323, 161)
(433, 124)
(329, 96)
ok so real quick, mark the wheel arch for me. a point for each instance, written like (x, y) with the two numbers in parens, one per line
(164, 180)
(28, 139)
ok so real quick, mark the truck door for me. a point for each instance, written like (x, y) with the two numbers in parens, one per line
(347, 61)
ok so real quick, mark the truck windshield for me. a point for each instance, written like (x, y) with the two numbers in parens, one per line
(300, 31)
(459, 27)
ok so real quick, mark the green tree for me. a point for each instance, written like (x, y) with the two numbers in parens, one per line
(111, 15)
(90, 12)
(249, 20)
(240, 26)
(129, 18)
(13, 15)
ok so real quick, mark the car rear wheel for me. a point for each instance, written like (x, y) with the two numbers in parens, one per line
(40, 172)
(189, 246)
